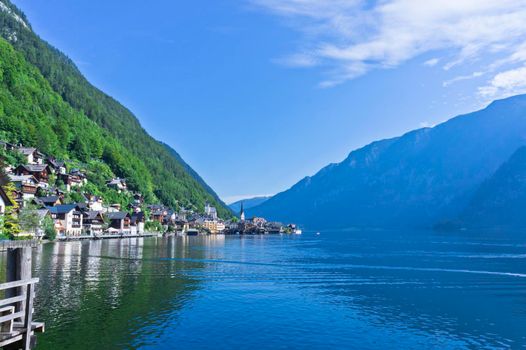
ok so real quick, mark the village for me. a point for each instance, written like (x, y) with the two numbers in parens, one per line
(48, 211)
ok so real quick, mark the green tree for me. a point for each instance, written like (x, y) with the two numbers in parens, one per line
(10, 225)
(3, 176)
(29, 219)
(49, 228)
(153, 226)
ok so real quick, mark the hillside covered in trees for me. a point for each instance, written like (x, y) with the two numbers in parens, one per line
(45, 102)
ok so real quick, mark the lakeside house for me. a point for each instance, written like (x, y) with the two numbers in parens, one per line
(93, 223)
(68, 219)
(26, 186)
(158, 214)
(119, 222)
(137, 221)
(213, 225)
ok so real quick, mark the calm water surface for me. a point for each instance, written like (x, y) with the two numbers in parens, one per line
(362, 290)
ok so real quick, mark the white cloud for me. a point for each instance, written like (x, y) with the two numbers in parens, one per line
(462, 77)
(504, 84)
(298, 60)
(353, 37)
(432, 62)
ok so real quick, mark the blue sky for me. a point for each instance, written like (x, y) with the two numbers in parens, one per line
(257, 94)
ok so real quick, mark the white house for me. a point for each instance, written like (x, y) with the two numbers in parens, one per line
(33, 156)
(68, 219)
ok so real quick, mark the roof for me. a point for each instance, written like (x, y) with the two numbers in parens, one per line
(34, 167)
(117, 215)
(62, 209)
(137, 217)
(77, 172)
(22, 178)
(5, 197)
(49, 199)
(92, 214)
(26, 150)
(82, 206)
(6, 144)
(116, 181)
(42, 213)
(55, 163)
(55, 189)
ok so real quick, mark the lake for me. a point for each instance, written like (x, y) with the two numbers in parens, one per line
(355, 289)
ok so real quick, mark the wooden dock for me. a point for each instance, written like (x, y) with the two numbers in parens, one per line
(17, 327)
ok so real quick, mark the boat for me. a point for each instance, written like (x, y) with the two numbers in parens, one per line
(192, 232)
(297, 231)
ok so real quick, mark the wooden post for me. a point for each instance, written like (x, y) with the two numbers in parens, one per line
(18, 268)
(28, 316)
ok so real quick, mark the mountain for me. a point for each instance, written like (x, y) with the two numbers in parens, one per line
(247, 203)
(194, 174)
(149, 166)
(414, 180)
(500, 202)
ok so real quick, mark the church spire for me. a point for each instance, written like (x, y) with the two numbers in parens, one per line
(242, 213)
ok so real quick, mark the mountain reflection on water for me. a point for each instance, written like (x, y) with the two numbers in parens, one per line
(357, 289)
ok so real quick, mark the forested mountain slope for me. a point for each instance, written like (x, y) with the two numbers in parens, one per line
(151, 167)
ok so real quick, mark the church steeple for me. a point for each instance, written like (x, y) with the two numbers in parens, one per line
(242, 213)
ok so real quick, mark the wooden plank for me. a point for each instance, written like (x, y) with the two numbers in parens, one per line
(11, 300)
(11, 340)
(11, 316)
(38, 327)
(7, 327)
(19, 283)
(4, 335)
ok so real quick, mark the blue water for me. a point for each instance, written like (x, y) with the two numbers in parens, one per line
(346, 290)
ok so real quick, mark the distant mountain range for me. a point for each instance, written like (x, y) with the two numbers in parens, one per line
(469, 170)
(247, 203)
